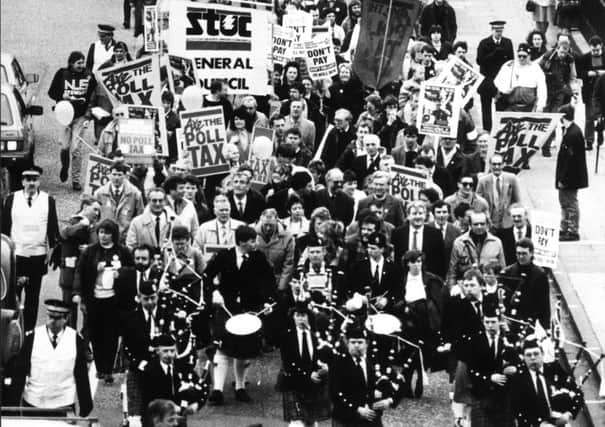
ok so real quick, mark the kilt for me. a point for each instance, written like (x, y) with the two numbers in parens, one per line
(488, 412)
(134, 385)
(307, 406)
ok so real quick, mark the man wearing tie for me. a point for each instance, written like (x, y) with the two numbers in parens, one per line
(340, 204)
(490, 365)
(449, 232)
(368, 163)
(218, 232)
(533, 387)
(246, 204)
(521, 229)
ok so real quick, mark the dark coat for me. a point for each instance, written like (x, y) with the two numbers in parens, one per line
(490, 58)
(443, 178)
(432, 247)
(136, 338)
(473, 164)
(156, 384)
(460, 322)
(340, 205)
(388, 133)
(21, 366)
(571, 169)
(394, 208)
(336, 143)
(525, 402)
(598, 98)
(347, 95)
(125, 287)
(360, 276)
(253, 284)
(360, 167)
(507, 238)
(583, 66)
(534, 296)
(296, 371)
(444, 16)
(255, 204)
(454, 167)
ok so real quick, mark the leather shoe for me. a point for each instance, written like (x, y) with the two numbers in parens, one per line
(216, 398)
(242, 395)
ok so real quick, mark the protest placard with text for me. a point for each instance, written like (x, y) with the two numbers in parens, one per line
(459, 73)
(545, 236)
(151, 31)
(159, 120)
(97, 172)
(439, 109)
(407, 182)
(320, 58)
(261, 157)
(203, 138)
(282, 43)
(136, 82)
(136, 140)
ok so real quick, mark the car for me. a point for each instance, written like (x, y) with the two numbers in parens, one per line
(11, 73)
(17, 141)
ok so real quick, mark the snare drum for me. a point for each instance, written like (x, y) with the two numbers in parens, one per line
(383, 324)
(242, 338)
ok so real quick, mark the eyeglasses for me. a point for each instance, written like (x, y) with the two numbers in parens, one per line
(466, 184)
(522, 55)
(30, 178)
(156, 200)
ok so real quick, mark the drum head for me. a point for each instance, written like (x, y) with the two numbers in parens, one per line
(243, 324)
(383, 324)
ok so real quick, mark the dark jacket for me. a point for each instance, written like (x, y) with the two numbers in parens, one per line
(490, 58)
(340, 205)
(439, 15)
(598, 98)
(21, 366)
(360, 167)
(571, 169)
(126, 287)
(529, 286)
(78, 85)
(86, 271)
(136, 338)
(509, 242)
(156, 384)
(388, 133)
(473, 164)
(360, 277)
(454, 167)
(296, 371)
(347, 95)
(432, 247)
(583, 66)
(443, 178)
(255, 204)
(336, 143)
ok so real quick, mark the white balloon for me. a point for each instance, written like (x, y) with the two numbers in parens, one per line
(262, 147)
(192, 97)
(64, 112)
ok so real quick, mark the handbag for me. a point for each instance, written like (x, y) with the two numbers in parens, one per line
(531, 6)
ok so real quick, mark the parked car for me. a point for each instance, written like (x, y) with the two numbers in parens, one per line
(12, 73)
(17, 141)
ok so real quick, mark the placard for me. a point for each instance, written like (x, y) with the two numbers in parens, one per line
(407, 182)
(203, 138)
(459, 73)
(282, 43)
(517, 136)
(97, 172)
(159, 120)
(320, 58)
(136, 140)
(227, 43)
(545, 237)
(150, 29)
(182, 73)
(301, 23)
(438, 109)
(135, 83)
(261, 157)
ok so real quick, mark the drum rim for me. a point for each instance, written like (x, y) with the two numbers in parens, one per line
(389, 316)
(249, 317)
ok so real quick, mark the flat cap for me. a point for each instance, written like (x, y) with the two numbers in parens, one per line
(32, 171)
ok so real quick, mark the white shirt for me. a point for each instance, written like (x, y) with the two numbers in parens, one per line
(442, 229)
(165, 368)
(146, 313)
(512, 75)
(239, 257)
(380, 264)
(299, 332)
(371, 160)
(240, 203)
(497, 191)
(414, 288)
(494, 340)
(447, 157)
(362, 363)
(420, 232)
(534, 379)
(516, 232)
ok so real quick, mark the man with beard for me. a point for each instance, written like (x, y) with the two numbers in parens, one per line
(477, 247)
(29, 218)
(338, 138)
(356, 247)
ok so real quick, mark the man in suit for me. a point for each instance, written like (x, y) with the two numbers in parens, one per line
(246, 283)
(406, 151)
(128, 283)
(353, 382)
(394, 209)
(500, 190)
(450, 157)
(152, 227)
(375, 275)
(533, 388)
(339, 203)
(521, 229)
(492, 53)
(355, 147)
(246, 203)
(449, 232)
(571, 174)
(368, 163)
(528, 287)
(416, 235)
(306, 127)
(437, 176)
(490, 365)
(590, 66)
(338, 138)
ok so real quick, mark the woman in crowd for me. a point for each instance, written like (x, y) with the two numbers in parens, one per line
(296, 223)
(537, 45)
(345, 92)
(290, 76)
(442, 48)
(240, 132)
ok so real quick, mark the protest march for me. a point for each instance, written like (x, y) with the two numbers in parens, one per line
(301, 213)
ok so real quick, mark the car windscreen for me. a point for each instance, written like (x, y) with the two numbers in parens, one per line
(6, 116)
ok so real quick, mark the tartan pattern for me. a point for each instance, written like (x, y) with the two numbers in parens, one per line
(134, 392)
(307, 406)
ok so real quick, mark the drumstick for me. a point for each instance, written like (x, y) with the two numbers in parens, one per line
(191, 300)
(330, 308)
(226, 310)
(265, 309)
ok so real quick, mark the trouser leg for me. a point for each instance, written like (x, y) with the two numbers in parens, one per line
(486, 112)
(240, 370)
(76, 148)
(33, 268)
(221, 364)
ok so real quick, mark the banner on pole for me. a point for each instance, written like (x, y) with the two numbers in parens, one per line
(545, 237)
(203, 138)
(151, 30)
(517, 136)
(438, 109)
(320, 58)
(159, 120)
(97, 172)
(136, 140)
(282, 43)
(136, 82)
(459, 73)
(407, 182)
(386, 27)
(227, 43)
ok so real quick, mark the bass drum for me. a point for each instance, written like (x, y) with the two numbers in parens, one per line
(243, 338)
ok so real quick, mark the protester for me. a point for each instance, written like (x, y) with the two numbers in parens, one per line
(590, 66)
